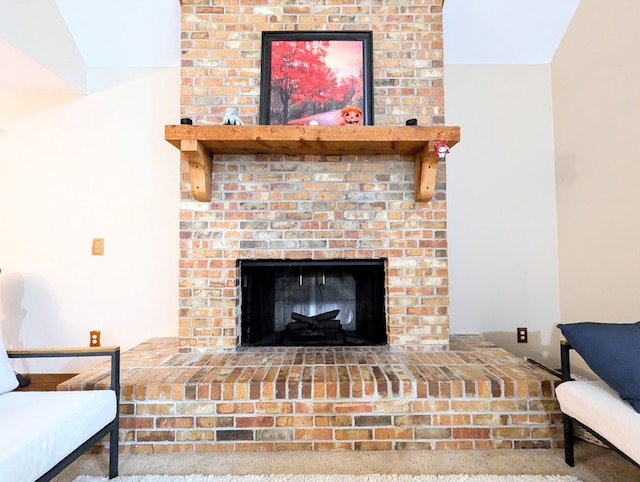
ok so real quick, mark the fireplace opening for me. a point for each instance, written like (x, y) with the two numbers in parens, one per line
(309, 302)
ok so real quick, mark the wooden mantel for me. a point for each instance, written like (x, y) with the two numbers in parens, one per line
(199, 142)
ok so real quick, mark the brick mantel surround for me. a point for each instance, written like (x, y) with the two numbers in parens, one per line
(273, 206)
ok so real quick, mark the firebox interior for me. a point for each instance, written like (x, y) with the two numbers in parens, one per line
(312, 302)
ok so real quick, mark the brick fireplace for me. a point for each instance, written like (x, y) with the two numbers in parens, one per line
(312, 207)
(422, 388)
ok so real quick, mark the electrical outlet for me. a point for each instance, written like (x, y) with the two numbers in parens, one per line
(97, 246)
(94, 338)
(522, 334)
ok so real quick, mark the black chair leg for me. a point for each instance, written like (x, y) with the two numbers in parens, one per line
(568, 440)
(113, 452)
(23, 380)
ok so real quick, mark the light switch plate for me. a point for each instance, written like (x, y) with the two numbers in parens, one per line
(97, 247)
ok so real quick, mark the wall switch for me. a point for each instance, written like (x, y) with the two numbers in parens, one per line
(97, 247)
(523, 336)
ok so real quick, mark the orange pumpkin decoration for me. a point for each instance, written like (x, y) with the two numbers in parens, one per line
(351, 116)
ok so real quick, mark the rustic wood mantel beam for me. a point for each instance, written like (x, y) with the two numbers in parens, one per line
(198, 143)
(426, 161)
(199, 159)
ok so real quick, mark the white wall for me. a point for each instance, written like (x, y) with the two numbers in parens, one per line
(501, 200)
(597, 102)
(596, 105)
(73, 168)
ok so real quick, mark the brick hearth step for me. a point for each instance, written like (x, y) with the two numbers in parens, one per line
(473, 396)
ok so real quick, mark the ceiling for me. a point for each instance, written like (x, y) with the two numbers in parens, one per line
(49, 45)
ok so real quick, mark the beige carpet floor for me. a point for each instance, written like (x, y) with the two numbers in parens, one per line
(593, 463)
(332, 478)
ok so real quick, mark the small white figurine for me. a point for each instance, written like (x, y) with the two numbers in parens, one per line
(442, 149)
(231, 117)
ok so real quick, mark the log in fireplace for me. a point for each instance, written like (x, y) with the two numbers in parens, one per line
(313, 302)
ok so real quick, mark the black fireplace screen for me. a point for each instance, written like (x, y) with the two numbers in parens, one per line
(307, 302)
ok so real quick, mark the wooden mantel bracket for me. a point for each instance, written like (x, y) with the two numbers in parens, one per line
(199, 143)
(426, 161)
(199, 159)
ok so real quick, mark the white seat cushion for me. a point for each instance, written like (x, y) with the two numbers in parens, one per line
(39, 429)
(599, 407)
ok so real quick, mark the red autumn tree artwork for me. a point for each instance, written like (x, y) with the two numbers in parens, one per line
(311, 80)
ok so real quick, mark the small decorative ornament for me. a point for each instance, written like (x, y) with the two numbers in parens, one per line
(351, 116)
(442, 148)
(231, 117)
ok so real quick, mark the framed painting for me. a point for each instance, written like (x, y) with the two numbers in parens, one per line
(317, 78)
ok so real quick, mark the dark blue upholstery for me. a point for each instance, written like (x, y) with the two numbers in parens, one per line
(612, 351)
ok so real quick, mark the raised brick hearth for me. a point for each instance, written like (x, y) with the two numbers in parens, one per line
(473, 396)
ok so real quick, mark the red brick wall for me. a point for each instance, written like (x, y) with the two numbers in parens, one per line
(312, 206)
(221, 53)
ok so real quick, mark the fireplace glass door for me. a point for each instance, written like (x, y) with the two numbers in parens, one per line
(318, 303)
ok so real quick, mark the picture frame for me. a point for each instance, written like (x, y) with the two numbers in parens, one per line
(308, 77)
